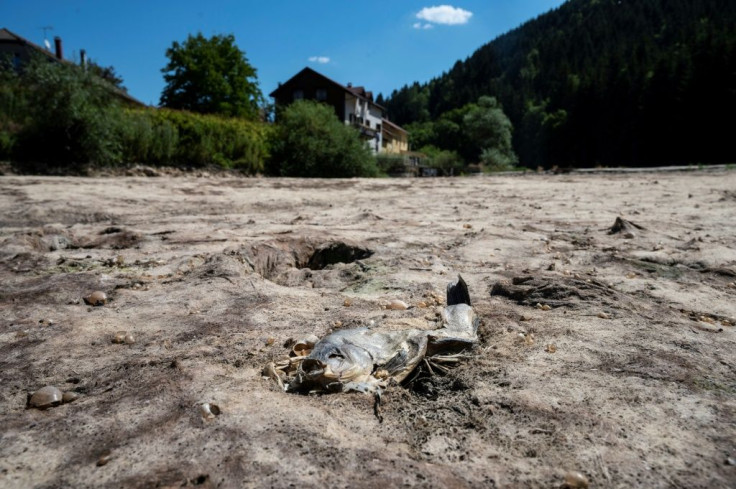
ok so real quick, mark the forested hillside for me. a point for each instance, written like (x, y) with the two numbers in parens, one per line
(598, 82)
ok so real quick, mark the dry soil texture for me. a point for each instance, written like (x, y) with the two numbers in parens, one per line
(610, 354)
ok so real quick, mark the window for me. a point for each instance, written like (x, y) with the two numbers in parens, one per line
(378, 127)
(298, 94)
(321, 94)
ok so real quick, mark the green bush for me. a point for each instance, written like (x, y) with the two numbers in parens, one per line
(495, 160)
(58, 115)
(390, 164)
(447, 162)
(309, 141)
(67, 116)
(186, 138)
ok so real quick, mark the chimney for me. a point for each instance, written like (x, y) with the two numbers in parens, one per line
(57, 45)
(350, 84)
(83, 58)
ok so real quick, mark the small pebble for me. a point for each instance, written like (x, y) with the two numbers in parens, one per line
(575, 480)
(397, 304)
(604, 315)
(46, 397)
(96, 298)
(422, 305)
(209, 411)
(123, 337)
(103, 460)
(525, 318)
(47, 322)
(730, 461)
(270, 341)
(543, 307)
(551, 348)
(347, 302)
(631, 275)
(467, 226)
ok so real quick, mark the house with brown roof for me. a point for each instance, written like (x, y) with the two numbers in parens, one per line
(19, 52)
(353, 105)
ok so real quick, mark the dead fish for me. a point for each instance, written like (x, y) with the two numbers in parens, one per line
(364, 360)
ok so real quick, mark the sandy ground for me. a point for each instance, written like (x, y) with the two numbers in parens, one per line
(609, 354)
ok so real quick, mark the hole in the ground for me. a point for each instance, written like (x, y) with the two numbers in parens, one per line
(293, 261)
(336, 252)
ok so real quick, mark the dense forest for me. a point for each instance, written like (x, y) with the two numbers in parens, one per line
(596, 82)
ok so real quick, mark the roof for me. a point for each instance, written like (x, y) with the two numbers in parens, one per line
(389, 126)
(359, 92)
(11, 37)
(8, 36)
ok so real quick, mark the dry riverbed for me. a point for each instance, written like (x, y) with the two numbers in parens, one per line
(608, 353)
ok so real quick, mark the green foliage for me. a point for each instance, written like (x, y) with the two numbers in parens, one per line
(147, 138)
(538, 141)
(390, 164)
(13, 108)
(490, 130)
(211, 76)
(605, 82)
(309, 141)
(447, 162)
(420, 134)
(107, 73)
(60, 116)
(466, 134)
(495, 160)
(183, 138)
(64, 115)
(411, 104)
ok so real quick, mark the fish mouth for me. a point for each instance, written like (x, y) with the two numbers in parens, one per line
(314, 376)
(314, 369)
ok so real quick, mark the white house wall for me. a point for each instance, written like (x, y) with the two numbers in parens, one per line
(371, 115)
(351, 106)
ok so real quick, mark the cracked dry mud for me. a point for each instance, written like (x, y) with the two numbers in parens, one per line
(608, 354)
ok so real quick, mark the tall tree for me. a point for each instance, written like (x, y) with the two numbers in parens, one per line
(211, 76)
(490, 131)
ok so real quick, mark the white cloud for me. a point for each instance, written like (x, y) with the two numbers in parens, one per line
(419, 25)
(319, 59)
(444, 14)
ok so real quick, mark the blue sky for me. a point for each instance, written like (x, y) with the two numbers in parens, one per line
(381, 44)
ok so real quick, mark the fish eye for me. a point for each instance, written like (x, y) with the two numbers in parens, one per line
(335, 355)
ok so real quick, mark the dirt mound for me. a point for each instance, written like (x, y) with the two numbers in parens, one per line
(557, 291)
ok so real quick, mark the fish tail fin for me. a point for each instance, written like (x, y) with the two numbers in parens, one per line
(457, 292)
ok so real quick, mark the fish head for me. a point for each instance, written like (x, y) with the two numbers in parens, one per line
(342, 360)
(331, 364)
